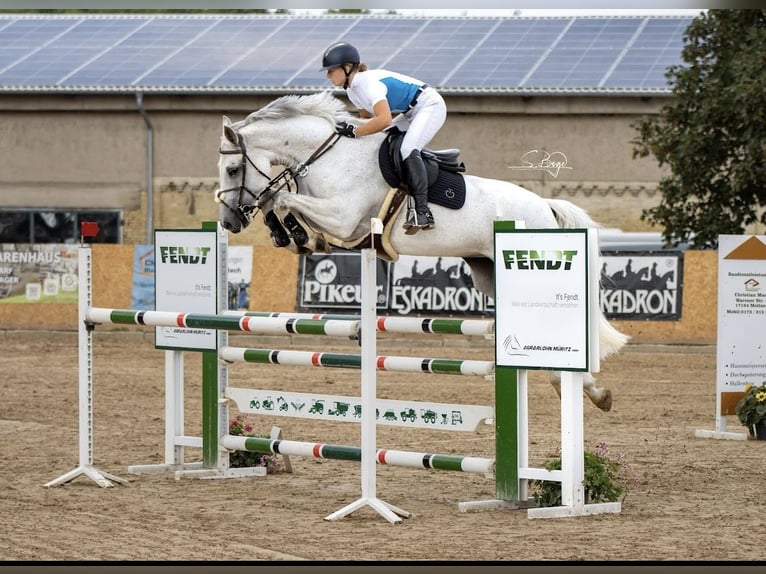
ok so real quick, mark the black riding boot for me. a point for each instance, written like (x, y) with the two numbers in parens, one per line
(417, 182)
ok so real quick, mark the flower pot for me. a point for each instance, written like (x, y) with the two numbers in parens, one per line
(759, 430)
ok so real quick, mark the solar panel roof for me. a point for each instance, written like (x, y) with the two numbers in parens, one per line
(282, 53)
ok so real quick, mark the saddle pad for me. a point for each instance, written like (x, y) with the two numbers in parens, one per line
(447, 190)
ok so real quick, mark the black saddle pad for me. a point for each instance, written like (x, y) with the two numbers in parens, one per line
(445, 188)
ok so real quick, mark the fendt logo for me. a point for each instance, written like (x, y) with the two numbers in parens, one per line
(543, 260)
(184, 255)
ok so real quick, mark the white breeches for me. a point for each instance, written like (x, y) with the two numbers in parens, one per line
(422, 122)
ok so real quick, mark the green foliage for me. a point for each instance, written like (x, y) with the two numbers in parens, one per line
(712, 136)
(605, 479)
(751, 408)
(240, 426)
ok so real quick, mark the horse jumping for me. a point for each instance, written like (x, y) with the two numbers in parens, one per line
(331, 187)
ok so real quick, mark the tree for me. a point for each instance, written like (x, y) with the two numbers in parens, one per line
(712, 136)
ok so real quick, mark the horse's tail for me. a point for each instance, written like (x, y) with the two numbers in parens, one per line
(568, 215)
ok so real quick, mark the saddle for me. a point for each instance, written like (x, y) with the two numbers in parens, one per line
(446, 187)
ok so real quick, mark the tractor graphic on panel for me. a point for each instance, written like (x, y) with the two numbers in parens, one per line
(317, 408)
(428, 416)
(408, 415)
(340, 409)
(389, 415)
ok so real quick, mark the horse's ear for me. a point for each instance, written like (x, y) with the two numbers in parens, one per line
(228, 131)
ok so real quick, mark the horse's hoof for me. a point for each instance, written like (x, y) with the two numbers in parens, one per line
(605, 404)
(280, 239)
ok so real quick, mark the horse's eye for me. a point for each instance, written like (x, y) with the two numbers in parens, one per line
(232, 170)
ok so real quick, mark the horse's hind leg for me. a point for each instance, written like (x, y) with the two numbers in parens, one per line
(602, 398)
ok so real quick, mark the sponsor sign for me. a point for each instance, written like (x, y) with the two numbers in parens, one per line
(411, 285)
(741, 356)
(45, 273)
(642, 285)
(332, 282)
(239, 273)
(186, 280)
(541, 280)
(435, 285)
(142, 295)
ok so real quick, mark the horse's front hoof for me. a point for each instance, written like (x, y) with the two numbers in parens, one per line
(300, 237)
(280, 239)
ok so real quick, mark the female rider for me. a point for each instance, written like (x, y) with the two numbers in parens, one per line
(379, 95)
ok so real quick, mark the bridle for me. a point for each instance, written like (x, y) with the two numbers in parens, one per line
(286, 179)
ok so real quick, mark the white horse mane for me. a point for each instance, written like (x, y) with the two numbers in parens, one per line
(322, 104)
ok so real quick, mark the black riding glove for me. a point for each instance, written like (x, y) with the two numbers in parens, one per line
(345, 129)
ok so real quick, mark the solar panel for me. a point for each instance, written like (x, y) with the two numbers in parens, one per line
(656, 47)
(218, 51)
(584, 53)
(509, 53)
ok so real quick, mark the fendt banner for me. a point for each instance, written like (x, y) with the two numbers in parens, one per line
(186, 280)
(541, 278)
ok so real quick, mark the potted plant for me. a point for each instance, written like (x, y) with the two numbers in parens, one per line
(240, 426)
(606, 478)
(751, 410)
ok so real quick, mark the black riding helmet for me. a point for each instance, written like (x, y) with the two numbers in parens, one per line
(339, 54)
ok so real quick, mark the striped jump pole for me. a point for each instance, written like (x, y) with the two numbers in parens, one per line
(403, 325)
(353, 453)
(247, 324)
(351, 361)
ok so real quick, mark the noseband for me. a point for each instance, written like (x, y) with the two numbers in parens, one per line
(286, 178)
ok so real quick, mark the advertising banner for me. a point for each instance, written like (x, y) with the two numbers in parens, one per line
(541, 279)
(435, 285)
(330, 283)
(31, 273)
(142, 294)
(186, 281)
(238, 275)
(412, 285)
(741, 312)
(642, 285)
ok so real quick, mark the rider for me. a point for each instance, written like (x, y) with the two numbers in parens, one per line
(379, 95)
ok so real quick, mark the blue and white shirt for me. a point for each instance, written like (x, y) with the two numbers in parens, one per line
(370, 87)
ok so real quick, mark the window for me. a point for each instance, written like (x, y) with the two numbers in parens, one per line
(24, 226)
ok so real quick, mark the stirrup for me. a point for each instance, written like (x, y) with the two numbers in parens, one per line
(418, 220)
